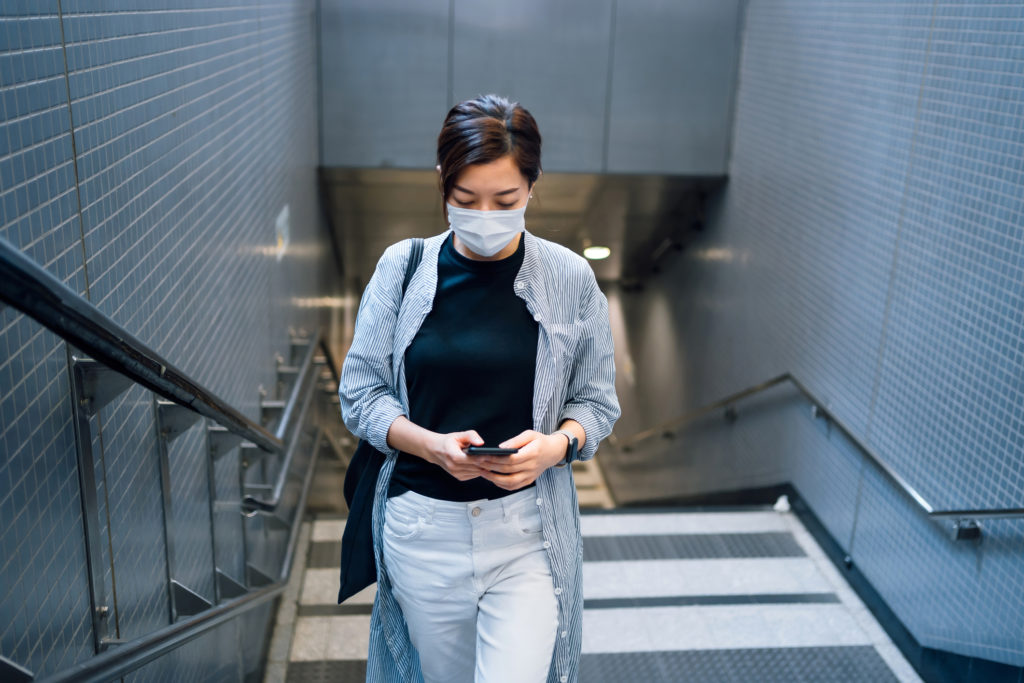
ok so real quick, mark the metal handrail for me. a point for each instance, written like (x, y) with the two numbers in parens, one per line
(821, 411)
(37, 293)
(131, 655)
(30, 288)
(252, 503)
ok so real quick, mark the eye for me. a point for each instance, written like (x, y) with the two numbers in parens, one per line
(506, 206)
(462, 203)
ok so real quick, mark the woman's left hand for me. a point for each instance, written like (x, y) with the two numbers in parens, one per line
(537, 452)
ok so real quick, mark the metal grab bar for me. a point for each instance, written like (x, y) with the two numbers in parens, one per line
(966, 528)
(127, 657)
(251, 503)
(32, 289)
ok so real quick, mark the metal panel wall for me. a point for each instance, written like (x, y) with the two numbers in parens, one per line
(641, 86)
(550, 56)
(673, 79)
(384, 81)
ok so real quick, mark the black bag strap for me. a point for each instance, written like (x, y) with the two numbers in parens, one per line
(415, 256)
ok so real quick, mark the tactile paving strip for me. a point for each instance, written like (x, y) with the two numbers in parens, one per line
(690, 546)
(773, 665)
(335, 671)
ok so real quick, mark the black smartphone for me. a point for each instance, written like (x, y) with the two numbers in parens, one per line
(486, 450)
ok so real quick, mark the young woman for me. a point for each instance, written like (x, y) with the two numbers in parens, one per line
(501, 340)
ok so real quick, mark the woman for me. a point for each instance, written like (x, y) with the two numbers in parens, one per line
(501, 339)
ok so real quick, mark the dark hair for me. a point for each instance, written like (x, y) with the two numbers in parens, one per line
(483, 130)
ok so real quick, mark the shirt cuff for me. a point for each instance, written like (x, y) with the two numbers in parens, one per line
(385, 412)
(585, 418)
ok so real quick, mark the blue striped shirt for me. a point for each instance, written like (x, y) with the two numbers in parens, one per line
(574, 380)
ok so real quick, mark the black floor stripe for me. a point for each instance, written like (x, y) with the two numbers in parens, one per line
(615, 603)
(694, 600)
(324, 554)
(332, 610)
(670, 509)
(336, 671)
(690, 546)
(764, 665)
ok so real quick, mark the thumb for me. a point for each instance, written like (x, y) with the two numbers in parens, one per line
(519, 440)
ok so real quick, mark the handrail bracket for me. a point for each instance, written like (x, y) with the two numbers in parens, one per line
(100, 384)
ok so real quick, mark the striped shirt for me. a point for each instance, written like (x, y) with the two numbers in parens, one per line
(574, 380)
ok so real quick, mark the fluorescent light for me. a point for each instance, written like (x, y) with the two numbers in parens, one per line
(596, 253)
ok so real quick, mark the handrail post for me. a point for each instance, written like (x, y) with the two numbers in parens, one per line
(165, 507)
(83, 407)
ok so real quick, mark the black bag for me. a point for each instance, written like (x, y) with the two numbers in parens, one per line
(358, 565)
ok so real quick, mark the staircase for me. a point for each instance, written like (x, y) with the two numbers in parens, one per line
(738, 594)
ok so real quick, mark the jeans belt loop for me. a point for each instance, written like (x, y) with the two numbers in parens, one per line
(506, 509)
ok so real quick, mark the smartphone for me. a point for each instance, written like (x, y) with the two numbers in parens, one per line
(485, 450)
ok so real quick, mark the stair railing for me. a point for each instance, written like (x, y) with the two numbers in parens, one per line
(111, 360)
(966, 526)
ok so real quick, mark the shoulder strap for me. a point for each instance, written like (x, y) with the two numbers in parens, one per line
(415, 256)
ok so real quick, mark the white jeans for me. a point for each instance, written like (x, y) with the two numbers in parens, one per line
(474, 585)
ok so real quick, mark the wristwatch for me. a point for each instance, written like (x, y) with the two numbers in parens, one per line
(570, 450)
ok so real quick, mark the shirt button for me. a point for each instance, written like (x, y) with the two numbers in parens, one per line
(540, 501)
(537, 317)
(520, 285)
(565, 633)
(563, 679)
(476, 512)
(558, 591)
(547, 544)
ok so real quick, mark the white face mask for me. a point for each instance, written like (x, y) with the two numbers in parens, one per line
(486, 232)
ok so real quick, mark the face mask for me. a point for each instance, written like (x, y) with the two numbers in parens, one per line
(486, 232)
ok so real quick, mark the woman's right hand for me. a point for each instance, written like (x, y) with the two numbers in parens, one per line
(448, 451)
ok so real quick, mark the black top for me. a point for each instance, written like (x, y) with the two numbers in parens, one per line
(470, 366)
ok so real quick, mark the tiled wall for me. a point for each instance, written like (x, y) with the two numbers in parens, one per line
(871, 241)
(145, 153)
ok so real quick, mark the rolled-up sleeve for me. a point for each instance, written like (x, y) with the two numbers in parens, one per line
(369, 403)
(591, 399)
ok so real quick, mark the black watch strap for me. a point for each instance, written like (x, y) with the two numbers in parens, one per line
(570, 449)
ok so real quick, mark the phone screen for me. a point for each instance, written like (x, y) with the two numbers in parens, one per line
(485, 450)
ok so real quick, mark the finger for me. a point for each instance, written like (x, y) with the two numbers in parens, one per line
(503, 466)
(464, 474)
(497, 479)
(519, 440)
(468, 438)
(509, 482)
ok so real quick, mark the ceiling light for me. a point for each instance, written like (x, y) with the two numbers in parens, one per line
(595, 253)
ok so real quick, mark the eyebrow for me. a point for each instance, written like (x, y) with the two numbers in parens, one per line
(509, 191)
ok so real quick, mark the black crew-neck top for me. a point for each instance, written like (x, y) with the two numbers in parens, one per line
(470, 366)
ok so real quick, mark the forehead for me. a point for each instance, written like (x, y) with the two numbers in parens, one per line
(494, 176)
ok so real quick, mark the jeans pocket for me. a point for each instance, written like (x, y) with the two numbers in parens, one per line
(528, 523)
(401, 525)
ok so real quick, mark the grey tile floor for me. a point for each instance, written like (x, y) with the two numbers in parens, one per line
(676, 596)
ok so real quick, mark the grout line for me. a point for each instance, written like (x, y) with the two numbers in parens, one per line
(900, 224)
(74, 148)
(608, 86)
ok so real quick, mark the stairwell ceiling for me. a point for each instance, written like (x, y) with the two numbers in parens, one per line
(640, 217)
